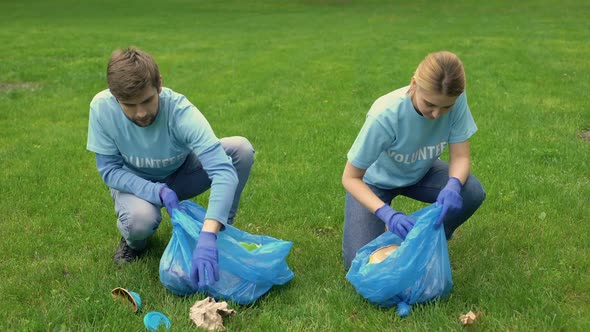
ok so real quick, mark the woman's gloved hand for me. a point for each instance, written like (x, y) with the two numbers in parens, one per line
(450, 198)
(397, 222)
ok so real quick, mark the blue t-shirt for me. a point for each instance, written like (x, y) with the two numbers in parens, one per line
(150, 154)
(397, 146)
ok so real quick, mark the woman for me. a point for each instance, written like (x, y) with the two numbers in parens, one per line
(397, 153)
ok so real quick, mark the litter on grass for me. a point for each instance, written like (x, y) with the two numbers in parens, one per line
(208, 314)
(153, 320)
(127, 296)
(469, 318)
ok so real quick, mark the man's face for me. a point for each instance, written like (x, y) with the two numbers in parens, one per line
(432, 105)
(143, 108)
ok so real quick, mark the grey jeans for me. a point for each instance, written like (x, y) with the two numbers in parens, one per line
(361, 226)
(137, 219)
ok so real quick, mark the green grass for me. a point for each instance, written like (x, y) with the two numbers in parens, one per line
(297, 78)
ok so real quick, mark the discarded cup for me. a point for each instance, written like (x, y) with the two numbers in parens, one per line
(154, 319)
(127, 296)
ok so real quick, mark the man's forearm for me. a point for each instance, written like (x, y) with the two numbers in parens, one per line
(224, 181)
(112, 172)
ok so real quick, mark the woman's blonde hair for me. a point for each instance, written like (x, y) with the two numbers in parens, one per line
(130, 71)
(441, 72)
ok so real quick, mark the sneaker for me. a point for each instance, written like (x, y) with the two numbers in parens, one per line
(126, 254)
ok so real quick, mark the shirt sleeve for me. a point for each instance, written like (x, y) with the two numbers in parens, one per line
(224, 181)
(194, 131)
(371, 141)
(462, 123)
(111, 170)
(98, 139)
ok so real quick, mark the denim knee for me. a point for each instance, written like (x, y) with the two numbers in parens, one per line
(243, 154)
(475, 194)
(140, 223)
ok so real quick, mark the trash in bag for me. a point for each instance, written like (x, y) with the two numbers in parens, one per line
(249, 265)
(388, 271)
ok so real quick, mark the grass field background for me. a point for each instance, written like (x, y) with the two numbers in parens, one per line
(297, 78)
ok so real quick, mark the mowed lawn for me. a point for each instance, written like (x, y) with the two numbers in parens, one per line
(297, 78)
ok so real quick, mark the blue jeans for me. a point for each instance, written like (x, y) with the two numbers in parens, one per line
(361, 226)
(137, 219)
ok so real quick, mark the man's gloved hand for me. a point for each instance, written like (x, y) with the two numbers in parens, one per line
(205, 267)
(450, 198)
(397, 222)
(169, 199)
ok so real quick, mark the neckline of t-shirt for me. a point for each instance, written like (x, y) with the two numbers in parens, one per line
(414, 111)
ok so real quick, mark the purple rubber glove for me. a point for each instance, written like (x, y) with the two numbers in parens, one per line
(169, 199)
(204, 267)
(450, 198)
(397, 222)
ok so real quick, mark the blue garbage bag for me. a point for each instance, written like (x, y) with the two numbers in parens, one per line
(418, 271)
(249, 265)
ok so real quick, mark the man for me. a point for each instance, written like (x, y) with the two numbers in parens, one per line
(153, 147)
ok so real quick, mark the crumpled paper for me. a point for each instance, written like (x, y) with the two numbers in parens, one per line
(209, 314)
(469, 318)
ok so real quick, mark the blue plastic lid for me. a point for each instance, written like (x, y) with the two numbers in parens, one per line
(154, 319)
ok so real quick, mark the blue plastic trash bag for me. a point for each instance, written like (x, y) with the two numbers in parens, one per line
(249, 265)
(417, 271)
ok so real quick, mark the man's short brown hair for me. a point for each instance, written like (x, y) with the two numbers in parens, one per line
(130, 71)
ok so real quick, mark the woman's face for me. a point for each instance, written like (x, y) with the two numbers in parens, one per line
(431, 105)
